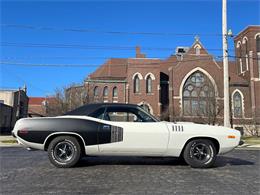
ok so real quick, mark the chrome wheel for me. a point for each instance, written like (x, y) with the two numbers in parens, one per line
(200, 152)
(64, 151)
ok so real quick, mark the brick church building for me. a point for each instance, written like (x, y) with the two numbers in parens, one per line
(186, 86)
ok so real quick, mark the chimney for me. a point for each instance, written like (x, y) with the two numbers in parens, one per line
(138, 52)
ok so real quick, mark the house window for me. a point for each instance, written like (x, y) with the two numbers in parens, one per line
(149, 84)
(105, 91)
(237, 105)
(198, 96)
(96, 91)
(258, 59)
(115, 93)
(197, 51)
(136, 84)
(246, 55)
(240, 59)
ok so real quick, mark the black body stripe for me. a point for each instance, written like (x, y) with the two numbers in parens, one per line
(93, 133)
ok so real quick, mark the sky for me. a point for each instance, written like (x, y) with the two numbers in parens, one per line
(76, 33)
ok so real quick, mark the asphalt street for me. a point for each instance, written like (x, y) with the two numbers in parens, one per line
(29, 172)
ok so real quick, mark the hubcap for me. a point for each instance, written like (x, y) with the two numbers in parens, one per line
(64, 151)
(200, 152)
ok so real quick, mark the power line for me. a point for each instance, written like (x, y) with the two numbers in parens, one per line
(3, 58)
(94, 65)
(25, 82)
(198, 58)
(52, 57)
(89, 47)
(87, 30)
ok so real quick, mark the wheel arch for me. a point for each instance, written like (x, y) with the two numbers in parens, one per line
(57, 134)
(214, 140)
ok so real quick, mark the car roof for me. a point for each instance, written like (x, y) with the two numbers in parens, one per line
(90, 108)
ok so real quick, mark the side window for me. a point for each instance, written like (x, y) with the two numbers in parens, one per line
(122, 116)
(127, 115)
(98, 113)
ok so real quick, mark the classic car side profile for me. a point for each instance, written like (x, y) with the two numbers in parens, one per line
(122, 129)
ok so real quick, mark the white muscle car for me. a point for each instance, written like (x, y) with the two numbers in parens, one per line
(123, 129)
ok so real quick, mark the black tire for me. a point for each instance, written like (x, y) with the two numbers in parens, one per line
(200, 153)
(64, 151)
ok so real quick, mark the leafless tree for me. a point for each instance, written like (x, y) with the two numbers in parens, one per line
(253, 129)
(66, 99)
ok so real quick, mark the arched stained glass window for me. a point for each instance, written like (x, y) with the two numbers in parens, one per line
(237, 104)
(198, 95)
(136, 84)
(149, 84)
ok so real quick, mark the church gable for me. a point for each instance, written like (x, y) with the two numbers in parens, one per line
(197, 48)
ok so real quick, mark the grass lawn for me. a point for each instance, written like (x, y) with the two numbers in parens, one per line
(11, 141)
(251, 140)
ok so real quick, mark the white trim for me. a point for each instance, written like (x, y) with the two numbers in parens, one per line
(151, 75)
(216, 63)
(241, 65)
(242, 102)
(247, 63)
(257, 34)
(187, 76)
(138, 74)
(204, 72)
(197, 46)
(244, 40)
(238, 44)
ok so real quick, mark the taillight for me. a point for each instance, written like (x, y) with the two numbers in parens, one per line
(23, 131)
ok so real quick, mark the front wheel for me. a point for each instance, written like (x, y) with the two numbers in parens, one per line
(200, 153)
(64, 151)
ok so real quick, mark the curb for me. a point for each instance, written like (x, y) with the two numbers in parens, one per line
(9, 145)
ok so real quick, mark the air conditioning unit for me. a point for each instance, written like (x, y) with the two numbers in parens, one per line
(181, 50)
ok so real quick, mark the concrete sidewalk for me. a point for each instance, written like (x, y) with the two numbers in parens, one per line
(8, 141)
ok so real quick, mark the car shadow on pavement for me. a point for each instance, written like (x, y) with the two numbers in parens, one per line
(116, 160)
(221, 161)
(231, 161)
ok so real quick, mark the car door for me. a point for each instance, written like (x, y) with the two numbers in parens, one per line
(133, 133)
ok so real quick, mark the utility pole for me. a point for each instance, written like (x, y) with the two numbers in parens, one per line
(225, 64)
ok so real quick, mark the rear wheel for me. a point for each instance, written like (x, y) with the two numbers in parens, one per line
(200, 153)
(64, 151)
